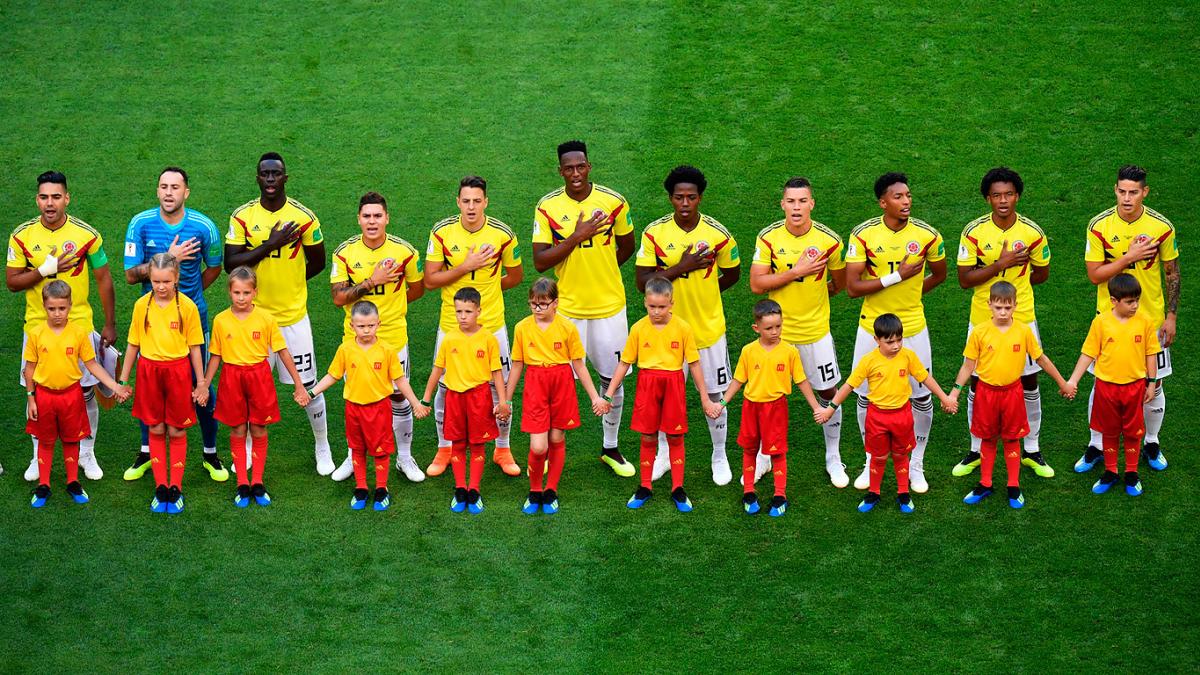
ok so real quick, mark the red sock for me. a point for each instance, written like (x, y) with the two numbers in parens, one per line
(878, 466)
(648, 451)
(382, 463)
(749, 460)
(237, 449)
(675, 448)
(900, 463)
(45, 457)
(1012, 462)
(1110, 453)
(458, 462)
(71, 460)
(258, 448)
(478, 461)
(987, 456)
(158, 458)
(178, 445)
(360, 468)
(779, 468)
(1133, 450)
(558, 458)
(537, 464)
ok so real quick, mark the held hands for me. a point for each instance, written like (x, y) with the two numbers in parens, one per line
(693, 261)
(1012, 258)
(200, 393)
(282, 234)
(122, 393)
(420, 410)
(822, 416)
(1069, 389)
(950, 404)
(478, 258)
(600, 407)
(713, 409)
(502, 411)
(185, 251)
(300, 396)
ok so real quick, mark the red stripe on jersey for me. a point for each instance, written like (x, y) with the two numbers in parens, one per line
(24, 250)
(82, 253)
(500, 257)
(346, 263)
(299, 239)
(403, 267)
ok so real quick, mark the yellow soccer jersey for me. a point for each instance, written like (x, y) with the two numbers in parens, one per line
(980, 246)
(1109, 237)
(369, 372)
(805, 301)
(282, 276)
(556, 344)
(668, 347)
(165, 333)
(57, 355)
(697, 294)
(1120, 347)
(875, 244)
(589, 280)
(469, 360)
(449, 244)
(245, 342)
(354, 261)
(887, 379)
(1000, 355)
(768, 375)
(30, 244)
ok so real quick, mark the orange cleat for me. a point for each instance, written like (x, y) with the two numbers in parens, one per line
(440, 460)
(504, 459)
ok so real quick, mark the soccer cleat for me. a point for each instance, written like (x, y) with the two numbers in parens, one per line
(1088, 460)
(241, 498)
(87, 462)
(76, 491)
(1154, 456)
(408, 466)
(662, 464)
(681, 500)
(32, 473)
(750, 503)
(967, 464)
(639, 498)
(159, 503)
(503, 458)
(916, 479)
(905, 503)
(779, 506)
(721, 472)
(863, 481)
(837, 475)
(439, 463)
(212, 464)
(1106, 481)
(1016, 498)
(550, 502)
(533, 503)
(358, 500)
(344, 470)
(615, 461)
(40, 494)
(458, 503)
(175, 501)
(141, 464)
(259, 492)
(324, 457)
(382, 499)
(1133, 484)
(868, 502)
(475, 501)
(980, 493)
(1035, 461)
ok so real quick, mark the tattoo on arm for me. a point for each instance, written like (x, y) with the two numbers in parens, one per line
(1171, 269)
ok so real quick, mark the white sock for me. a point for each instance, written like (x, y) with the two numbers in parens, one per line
(35, 446)
(833, 437)
(1096, 440)
(502, 426)
(316, 419)
(1154, 411)
(718, 429)
(439, 414)
(87, 446)
(402, 427)
(922, 423)
(612, 419)
(662, 446)
(1033, 411)
(976, 442)
(862, 420)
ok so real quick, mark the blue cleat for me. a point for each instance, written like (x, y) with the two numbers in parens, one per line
(1133, 484)
(261, 497)
(1089, 459)
(750, 503)
(550, 502)
(868, 502)
(905, 503)
(639, 498)
(458, 503)
(159, 503)
(382, 500)
(358, 501)
(474, 502)
(681, 500)
(978, 494)
(40, 495)
(533, 503)
(1106, 481)
(1154, 456)
(175, 501)
(1016, 498)
(778, 506)
(77, 494)
(241, 498)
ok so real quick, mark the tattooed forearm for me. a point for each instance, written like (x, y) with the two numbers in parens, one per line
(1171, 269)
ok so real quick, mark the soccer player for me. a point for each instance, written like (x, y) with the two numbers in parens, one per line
(1122, 345)
(700, 257)
(583, 230)
(800, 264)
(886, 259)
(386, 270)
(52, 246)
(281, 240)
(1006, 246)
(1134, 238)
(473, 250)
(55, 408)
(192, 239)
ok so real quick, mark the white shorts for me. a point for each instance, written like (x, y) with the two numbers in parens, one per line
(714, 361)
(1031, 366)
(864, 342)
(402, 354)
(820, 363)
(107, 358)
(603, 340)
(501, 337)
(1163, 360)
(299, 339)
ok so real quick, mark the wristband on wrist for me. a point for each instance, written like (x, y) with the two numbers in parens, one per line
(425, 403)
(832, 405)
(956, 387)
(1151, 380)
(122, 382)
(310, 393)
(29, 392)
(724, 403)
(890, 279)
(608, 398)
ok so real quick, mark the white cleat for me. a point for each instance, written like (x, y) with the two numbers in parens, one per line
(864, 479)
(325, 465)
(916, 480)
(837, 475)
(344, 471)
(720, 468)
(662, 464)
(91, 468)
(1, 470)
(31, 474)
(408, 466)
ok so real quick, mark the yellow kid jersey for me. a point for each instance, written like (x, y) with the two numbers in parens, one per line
(449, 244)
(697, 294)
(999, 355)
(57, 355)
(165, 333)
(875, 244)
(768, 375)
(887, 379)
(469, 360)
(282, 276)
(245, 342)
(556, 344)
(369, 371)
(1109, 237)
(805, 301)
(31, 243)
(589, 280)
(980, 246)
(354, 261)
(1120, 347)
(666, 347)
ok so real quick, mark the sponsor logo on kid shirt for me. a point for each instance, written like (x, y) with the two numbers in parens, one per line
(257, 335)
(780, 367)
(378, 365)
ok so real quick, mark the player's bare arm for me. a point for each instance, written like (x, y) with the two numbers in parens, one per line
(314, 259)
(18, 279)
(108, 300)
(414, 291)
(281, 235)
(690, 261)
(1166, 332)
(546, 256)
(344, 293)
(181, 252)
(1101, 272)
(437, 275)
(762, 280)
(512, 276)
(970, 277)
(937, 274)
(727, 277)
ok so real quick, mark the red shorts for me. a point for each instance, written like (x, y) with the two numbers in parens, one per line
(999, 412)
(659, 404)
(61, 414)
(1117, 409)
(247, 394)
(369, 427)
(889, 431)
(765, 424)
(549, 400)
(469, 416)
(164, 393)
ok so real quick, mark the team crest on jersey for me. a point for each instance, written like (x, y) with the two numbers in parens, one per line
(1018, 245)
(701, 246)
(378, 365)
(1141, 239)
(388, 262)
(479, 354)
(812, 252)
(912, 247)
(68, 247)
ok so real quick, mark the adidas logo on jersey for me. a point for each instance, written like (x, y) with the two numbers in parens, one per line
(670, 247)
(255, 228)
(1116, 239)
(988, 247)
(151, 244)
(565, 218)
(879, 249)
(37, 247)
(454, 248)
(358, 266)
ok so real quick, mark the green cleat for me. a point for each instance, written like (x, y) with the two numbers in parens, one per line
(618, 464)
(967, 465)
(212, 464)
(1035, 461)
(141, 464)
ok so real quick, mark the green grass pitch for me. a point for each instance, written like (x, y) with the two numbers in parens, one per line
(405, 99)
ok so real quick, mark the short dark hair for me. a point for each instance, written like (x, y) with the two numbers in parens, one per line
(764, 308)
(1124, 285)
(887, 180)
(1002, 290)
(572, 146)
(473, 182)
(468, 294)
(1132, 172)
(543, 287)
(372, 198)
(797, 182)
(685, 174)
(271, 155)
(1001, 174)
(888, 326)
(174, 169)
(56, 177)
